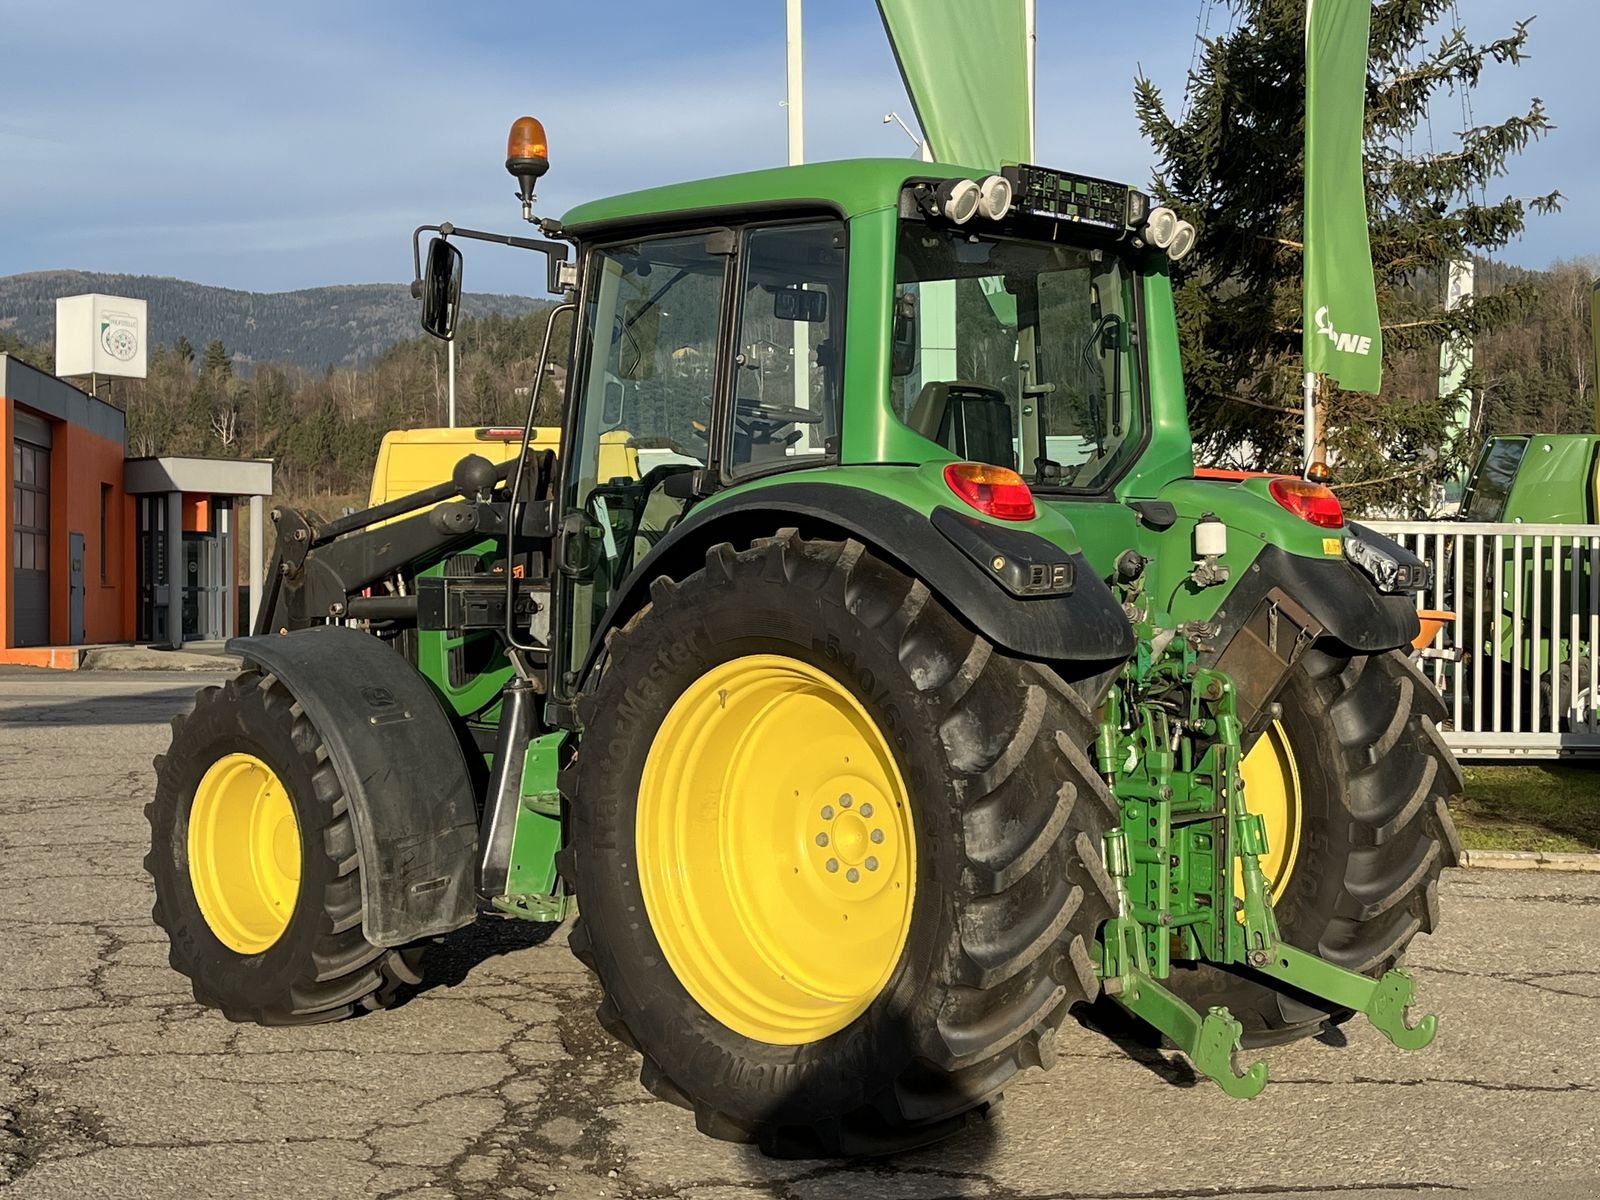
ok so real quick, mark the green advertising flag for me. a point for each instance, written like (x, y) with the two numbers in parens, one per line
(968, 69)
(1341, 336)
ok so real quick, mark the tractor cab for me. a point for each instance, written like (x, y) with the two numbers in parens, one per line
(1535, 479)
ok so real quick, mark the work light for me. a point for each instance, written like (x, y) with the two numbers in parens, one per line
(1161, 228)
(994, 197)
(1182, 241)
(957, 199)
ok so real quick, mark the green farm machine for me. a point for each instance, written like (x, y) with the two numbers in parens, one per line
(869, 675)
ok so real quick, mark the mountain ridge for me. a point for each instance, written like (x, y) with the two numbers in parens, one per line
(333, 325)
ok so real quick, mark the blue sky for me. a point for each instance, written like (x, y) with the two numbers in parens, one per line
(290, 144)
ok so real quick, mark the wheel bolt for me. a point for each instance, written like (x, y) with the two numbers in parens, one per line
(822, 839)
(853, 875)
(877, 837)
(866, 810)
(833, 864)
(846, 800)
(827, 812)
(872, 864)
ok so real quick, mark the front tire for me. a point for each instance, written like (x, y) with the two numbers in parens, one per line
(1374, 779)
(1001, 808)
(257, 879)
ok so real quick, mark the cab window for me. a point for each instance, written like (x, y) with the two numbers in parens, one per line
(652, 317)
(788, 362)
(1018, 352)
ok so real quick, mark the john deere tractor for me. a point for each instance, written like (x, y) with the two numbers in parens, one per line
(869, 675)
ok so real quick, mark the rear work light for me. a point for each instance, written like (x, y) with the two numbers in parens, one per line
(1312, 502)
(994, 491)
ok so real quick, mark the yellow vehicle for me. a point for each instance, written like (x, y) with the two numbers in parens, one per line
(410, 460)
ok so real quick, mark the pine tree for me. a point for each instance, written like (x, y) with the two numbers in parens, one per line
(1231, 162)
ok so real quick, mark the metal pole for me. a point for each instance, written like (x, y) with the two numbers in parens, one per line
(451, 355)
(795, 70)
(1031, 32)
(228, 527)
(1309, 445)
(797, 113)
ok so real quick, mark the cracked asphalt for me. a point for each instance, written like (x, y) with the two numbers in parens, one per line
(494, 1080)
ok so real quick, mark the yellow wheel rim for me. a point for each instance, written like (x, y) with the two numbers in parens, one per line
(1272, 790)
(776, 849)
(244, 853)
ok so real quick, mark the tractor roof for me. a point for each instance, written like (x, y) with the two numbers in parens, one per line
(851, 186)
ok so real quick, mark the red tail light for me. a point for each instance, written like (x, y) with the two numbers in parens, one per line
(993, 491)
(1309, 501)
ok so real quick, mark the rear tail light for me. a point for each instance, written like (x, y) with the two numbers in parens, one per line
(496, 433)
(994, 491)
(1312, 502)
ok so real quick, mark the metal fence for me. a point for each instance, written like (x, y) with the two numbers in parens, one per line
(1517, 666)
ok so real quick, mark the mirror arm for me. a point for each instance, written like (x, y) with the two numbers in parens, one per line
(555, 252)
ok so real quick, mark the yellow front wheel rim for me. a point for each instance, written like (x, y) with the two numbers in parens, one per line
(1272, 791)
(244, 853)
(776, 849)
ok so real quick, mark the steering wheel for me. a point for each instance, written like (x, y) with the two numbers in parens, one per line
(775, 414)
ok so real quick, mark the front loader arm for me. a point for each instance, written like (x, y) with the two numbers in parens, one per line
(320, 569)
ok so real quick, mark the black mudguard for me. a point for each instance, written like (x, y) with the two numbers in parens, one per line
(1351, 610)
(402, 769)
(1078, 622)
(1286, 603)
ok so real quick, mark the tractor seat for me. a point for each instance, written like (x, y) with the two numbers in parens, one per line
(973, 420)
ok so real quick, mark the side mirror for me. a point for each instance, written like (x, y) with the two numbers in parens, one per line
(903, 338)
(638, 334)
(577, 537)
(440, 288)
(611, 409)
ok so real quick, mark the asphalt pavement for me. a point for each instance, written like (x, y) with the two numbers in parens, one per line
(494, 1081)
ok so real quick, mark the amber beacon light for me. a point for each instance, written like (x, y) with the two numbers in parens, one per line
(527, 158)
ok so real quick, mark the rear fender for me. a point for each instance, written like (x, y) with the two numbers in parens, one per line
(1082, 623)
(402, 770)
(1282, 606)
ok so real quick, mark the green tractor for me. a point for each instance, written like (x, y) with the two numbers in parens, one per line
(870, 674)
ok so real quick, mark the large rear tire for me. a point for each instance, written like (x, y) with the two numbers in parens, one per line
(1372, 781)
(257, 879)
(770, 1030)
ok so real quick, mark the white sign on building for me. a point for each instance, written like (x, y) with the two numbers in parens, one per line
(101, 335)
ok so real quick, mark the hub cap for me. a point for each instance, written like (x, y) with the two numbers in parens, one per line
(244, 853)
(1272, 791)
(776, 852)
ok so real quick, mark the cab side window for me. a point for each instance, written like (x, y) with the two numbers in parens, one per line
(788, 352)
(652, 319)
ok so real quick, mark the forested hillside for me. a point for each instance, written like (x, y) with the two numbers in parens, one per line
(314, 328)
(322, 428)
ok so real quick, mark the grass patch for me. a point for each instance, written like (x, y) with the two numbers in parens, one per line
(1530, 808)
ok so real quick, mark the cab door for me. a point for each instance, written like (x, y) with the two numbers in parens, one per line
(649, 374)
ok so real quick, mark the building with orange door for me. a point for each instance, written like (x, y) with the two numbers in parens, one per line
(101, 548)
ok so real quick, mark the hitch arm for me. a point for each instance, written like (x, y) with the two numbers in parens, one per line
(1209, 1041)
(1383, 1001)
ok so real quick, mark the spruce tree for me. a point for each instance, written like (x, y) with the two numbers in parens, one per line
(1231, 162)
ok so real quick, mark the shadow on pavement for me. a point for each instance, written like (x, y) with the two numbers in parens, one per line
(450, 960)
(1138, 1041)
(144, 708)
